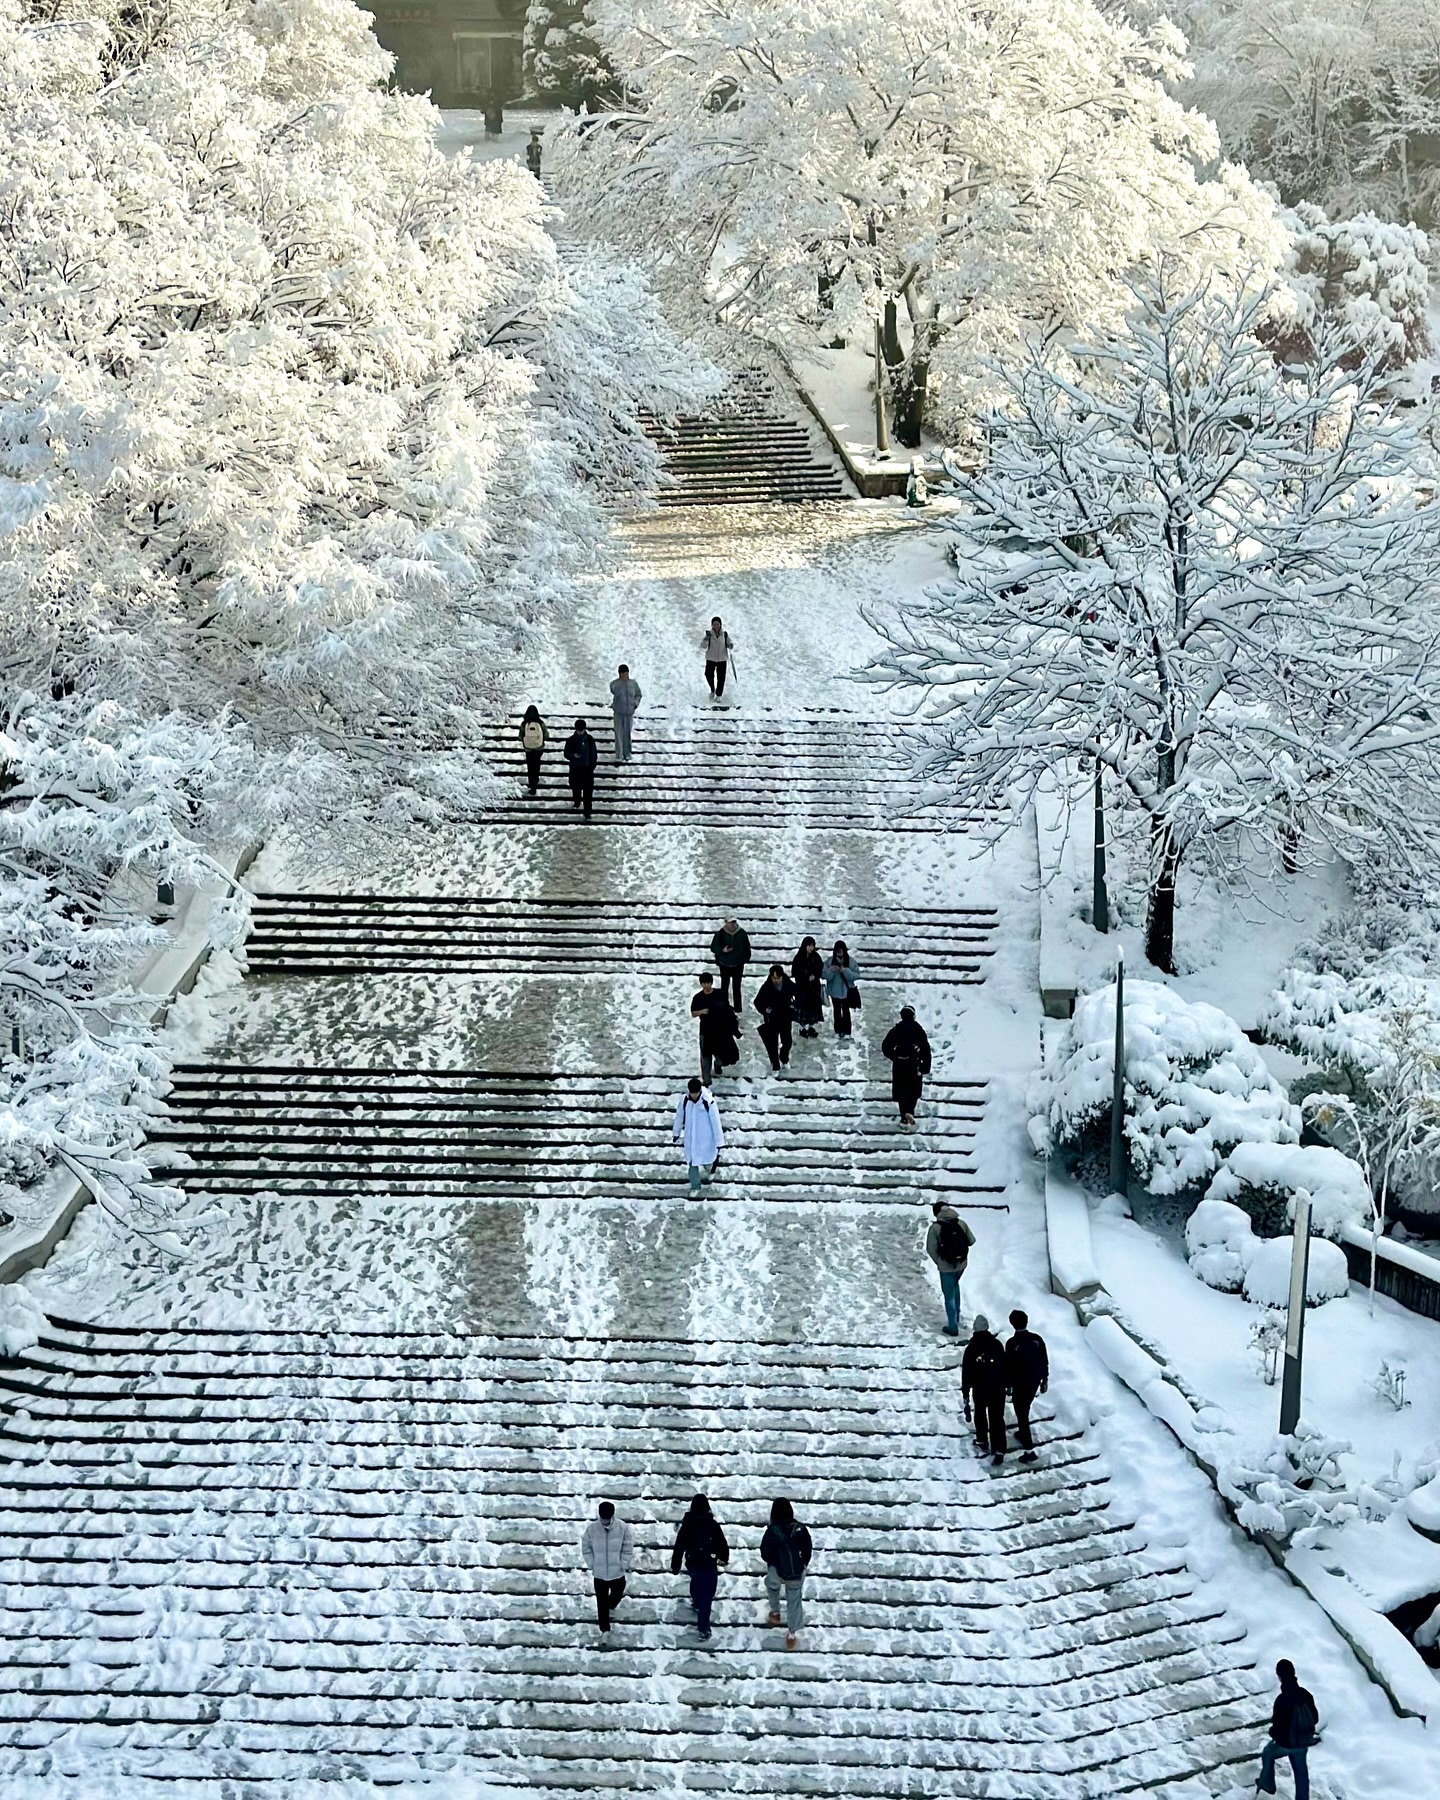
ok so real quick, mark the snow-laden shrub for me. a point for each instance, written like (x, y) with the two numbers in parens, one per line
(1267, 1179)
(1195, 1087)
(1267, 1275)
(1219, 1244)
(1296, 1489)
(21, 1320)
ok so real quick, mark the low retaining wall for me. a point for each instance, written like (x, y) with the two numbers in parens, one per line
(1408, 1276)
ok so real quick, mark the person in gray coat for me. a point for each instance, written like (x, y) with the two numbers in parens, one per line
(607, 1546)
(947, 1244)
(625, 697)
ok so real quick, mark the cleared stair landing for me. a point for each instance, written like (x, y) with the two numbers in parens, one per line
(726, 767)
(745, 448)
(463, 934)
(499, 1135)
(234, 1563)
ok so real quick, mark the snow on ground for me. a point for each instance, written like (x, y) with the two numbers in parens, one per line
(463, 128)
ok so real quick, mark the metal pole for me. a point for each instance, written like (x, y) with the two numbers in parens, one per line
(1100, 900)
(1295, 1318)
(1118, 1183)
(882, 427)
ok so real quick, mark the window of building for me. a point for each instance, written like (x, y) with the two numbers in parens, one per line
(487, 63)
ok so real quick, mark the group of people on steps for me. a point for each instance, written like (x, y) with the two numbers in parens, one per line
(582, 753)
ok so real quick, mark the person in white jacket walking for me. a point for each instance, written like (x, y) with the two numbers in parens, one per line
(607, 1546)
(697, 1127)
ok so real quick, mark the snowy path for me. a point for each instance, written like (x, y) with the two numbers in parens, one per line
(306, 1509)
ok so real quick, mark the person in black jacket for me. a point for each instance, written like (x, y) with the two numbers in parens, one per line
(982, 1383)
(582, 755)
(908, 1049)
(1027, 1373)
(785, 1550)
(700, 1545)
(775, 1003)
(719, 1029)
(807, 971)
(1294, 1725)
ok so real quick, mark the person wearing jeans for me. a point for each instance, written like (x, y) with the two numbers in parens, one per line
(1294, 1722)
(625, 697)
(700, 1545)
(785, 1550)
(842, 986)
(696, 1128)
(947, 1244)
(606, 1547)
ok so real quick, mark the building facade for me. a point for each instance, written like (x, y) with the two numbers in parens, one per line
(460, 52)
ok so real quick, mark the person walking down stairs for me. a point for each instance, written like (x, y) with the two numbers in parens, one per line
(700, 1545)
(697, 1128)
(842, 984)
(730, 951)
(775, 1003)
(982, 1388)
(607, 1546)
(533, 738)
(785, 1551)
(719, 1029)
(807, 971)
(625, 698)
(717, 647)
(948, 1243)
(1027, 1373)
(582, 755)
(908, 1049)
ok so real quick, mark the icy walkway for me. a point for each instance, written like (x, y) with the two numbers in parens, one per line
(302, 1517)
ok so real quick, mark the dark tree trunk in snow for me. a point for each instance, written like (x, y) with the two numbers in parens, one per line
(1160, 914)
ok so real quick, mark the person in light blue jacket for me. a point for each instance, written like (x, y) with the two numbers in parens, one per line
(842, 984)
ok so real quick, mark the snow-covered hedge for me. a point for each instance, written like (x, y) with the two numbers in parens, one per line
(1266, 1179)
(1219, 1243)
(1195, 1087)
(1267, 1274)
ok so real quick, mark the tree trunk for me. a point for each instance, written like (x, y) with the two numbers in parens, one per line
(1160, 914)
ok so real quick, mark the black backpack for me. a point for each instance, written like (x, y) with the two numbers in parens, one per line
(953, 1245)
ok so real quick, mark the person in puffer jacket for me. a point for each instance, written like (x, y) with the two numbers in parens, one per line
(785, 1550)
(607, 1546)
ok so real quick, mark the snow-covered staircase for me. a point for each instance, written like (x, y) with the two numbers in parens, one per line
(746, 447)
(238, 1563)
(463, 1134)
(465, 934)
(727, 768)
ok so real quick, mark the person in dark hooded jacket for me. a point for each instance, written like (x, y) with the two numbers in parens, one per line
(581, 755)
(982, 1385)
(700, 1545)
(1294, 1727)
(785, 1550)
(807, 971)
(1027, 1370)
(775, 1003)
(908, 1049)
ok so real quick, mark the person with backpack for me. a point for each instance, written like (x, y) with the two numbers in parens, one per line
(775, 1003)
(700, 1545)
(697, 1128)
(606, 1546)
(533, 738)
(1027, 1373)
(785, 1551)
(625, 697)
(717, 646)
(947, 1244)
(982, 1387)
(908, 1049)
(842, 984)
(730, 951)
(719, 1029)
(807, 971)
(1294, 1730)
(582, 756)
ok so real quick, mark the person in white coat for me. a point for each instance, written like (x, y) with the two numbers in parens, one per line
(607, 1546)
(697, 1127)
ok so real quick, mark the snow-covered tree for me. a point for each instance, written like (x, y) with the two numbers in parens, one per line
(1336, 101)
(300, 423)
(955, 172)
(1368, 276)
(563, 59)
(1227, 594)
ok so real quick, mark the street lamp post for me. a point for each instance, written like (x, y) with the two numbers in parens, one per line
(1118, 1183)
(882, 427)
(1295, 1318)
(1100, 899)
